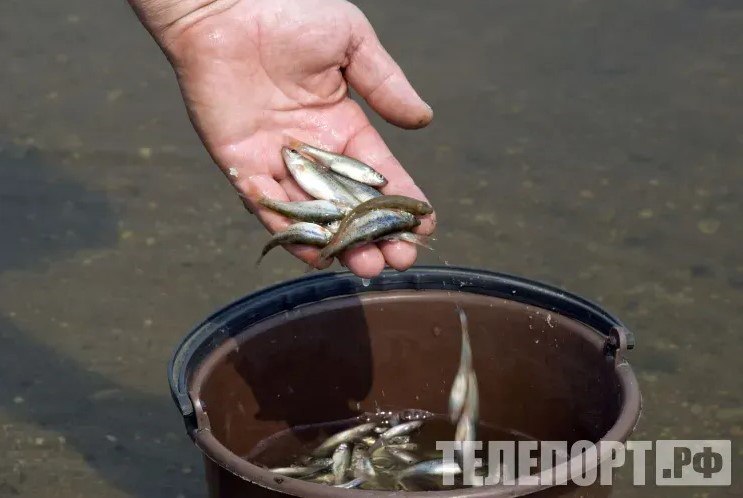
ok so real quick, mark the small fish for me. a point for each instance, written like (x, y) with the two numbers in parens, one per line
(361, 464)
(360, 191)
(368, 228)
(459, 388)
(396, 435)
(404, 446)
(323, 479)
(354, 483)
(396, 202)
(467, 425)
(404, 456)
(401, 430)
(370, 440)
(298, 233)
(317, 211)
(302, 471)
(383, 460)
(357, 454)
(430, 468)
(343, 165)
(317, 182)
(464, 402)
(341, 462)
(347, 436)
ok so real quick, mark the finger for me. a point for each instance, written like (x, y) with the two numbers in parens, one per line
(366, 261)
(400, 255)
(367, 146)
(378, 79)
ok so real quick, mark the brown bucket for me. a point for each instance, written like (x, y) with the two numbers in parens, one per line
(327, 347)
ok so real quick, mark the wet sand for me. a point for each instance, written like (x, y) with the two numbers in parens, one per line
(597, 146)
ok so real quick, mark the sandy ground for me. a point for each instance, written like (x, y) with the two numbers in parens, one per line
(593, 145)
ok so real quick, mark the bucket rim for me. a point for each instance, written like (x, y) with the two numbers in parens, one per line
(269, 301)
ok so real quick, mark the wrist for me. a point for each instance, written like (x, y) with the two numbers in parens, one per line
(164, 19)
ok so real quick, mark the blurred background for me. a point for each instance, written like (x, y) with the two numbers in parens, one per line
(594, 145)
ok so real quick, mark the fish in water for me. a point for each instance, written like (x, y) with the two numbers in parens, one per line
(347, 436)
(354, 483)
(360, 463)
(341, 462)
(316, 211)
(430, 468)
(362, 457)
(401, 430)
(324, 479)
(304, 471)
(368, 228)
(464, 397)
(369, 440)
(397, 434)
(402, 455)
(458, 392)
(314, 180)
(404, 446)
(467, 424)
(299, 233)
(342, 164)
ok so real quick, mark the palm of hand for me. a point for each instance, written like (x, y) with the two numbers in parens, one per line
(257, 73)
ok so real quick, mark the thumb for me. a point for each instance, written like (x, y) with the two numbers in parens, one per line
(378, 79)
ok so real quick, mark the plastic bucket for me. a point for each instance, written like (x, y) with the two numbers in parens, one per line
(325, 348)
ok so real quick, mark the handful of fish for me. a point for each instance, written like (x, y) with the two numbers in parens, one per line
(348, 210)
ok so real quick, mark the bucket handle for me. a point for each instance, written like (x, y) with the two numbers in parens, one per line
(618, 341)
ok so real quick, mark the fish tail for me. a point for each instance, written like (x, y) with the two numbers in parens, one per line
(260, 258)
(266, 202)
(423, 241)
(413, 238)
(270, 245)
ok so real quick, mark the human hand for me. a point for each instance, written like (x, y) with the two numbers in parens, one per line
(256, 74)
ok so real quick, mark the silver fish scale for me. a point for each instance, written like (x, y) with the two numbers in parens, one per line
(359, 190)
(368, 227)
